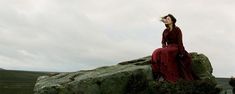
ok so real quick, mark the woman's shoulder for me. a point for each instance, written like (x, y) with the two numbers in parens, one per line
(177, 28)
(165, 30)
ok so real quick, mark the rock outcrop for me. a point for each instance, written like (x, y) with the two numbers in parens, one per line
(129, 77)
(201, 66)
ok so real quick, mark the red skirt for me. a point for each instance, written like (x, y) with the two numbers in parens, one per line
(164, 62)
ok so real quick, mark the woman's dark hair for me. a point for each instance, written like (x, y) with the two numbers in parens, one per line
(172, 18)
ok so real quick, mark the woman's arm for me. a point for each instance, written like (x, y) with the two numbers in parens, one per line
(163, 40)
(180, 42)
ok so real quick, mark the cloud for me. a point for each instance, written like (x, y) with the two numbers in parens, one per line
(60, 35)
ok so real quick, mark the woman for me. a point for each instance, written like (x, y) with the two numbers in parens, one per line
(171, 62)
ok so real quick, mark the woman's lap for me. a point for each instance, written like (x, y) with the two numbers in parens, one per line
(166, 62)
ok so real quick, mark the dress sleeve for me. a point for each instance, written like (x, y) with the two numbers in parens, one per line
(180, 42)
(163, 40)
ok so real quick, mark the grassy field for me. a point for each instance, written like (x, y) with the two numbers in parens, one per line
(18, 82)
(223, 82)
(22, 82)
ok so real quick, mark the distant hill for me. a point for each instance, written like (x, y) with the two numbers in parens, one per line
(224, 83)
(18, 82)
(2, 69)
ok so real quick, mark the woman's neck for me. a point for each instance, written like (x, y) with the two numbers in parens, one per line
(171, 27)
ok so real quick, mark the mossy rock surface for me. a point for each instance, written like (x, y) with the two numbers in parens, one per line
(129, 77)
(201, 66)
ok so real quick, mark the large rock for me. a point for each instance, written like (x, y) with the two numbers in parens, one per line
(130, 77)
(201, 66)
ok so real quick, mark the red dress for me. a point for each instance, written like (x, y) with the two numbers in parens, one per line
(172, 61)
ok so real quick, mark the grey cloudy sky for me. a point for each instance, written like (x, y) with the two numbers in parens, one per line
(71, 35)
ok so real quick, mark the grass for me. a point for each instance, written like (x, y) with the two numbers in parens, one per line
(18, 82)
(224, 83)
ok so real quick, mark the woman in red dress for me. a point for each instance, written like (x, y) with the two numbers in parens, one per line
(171, 62)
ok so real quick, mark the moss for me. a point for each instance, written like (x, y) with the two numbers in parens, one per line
(187, 87)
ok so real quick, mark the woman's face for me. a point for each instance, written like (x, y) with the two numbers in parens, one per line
(167, 20)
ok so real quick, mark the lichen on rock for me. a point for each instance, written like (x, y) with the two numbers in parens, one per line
(129, 77)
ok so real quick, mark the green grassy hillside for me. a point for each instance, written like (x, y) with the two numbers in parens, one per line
(18, 82)
(224, 83)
